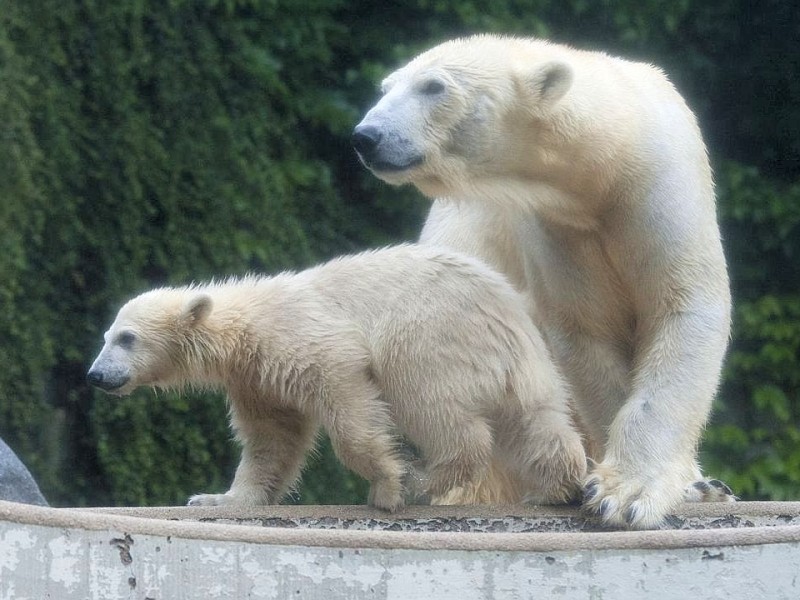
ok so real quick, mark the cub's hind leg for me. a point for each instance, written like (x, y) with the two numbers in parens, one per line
(538, 440)
(360, 429)
(544, 453)
(458, 461)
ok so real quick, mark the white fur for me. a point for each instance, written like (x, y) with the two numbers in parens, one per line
(583, 178)
(411, 340)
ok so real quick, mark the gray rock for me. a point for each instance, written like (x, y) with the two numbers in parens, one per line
(16, 482)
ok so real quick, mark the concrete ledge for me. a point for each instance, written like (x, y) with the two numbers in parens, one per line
(558, 528)
(711, 550)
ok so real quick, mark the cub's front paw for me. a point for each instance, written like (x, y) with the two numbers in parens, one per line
(241, 496)
(209, 500)
(623, 500)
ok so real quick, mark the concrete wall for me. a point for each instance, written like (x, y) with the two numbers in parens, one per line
(65, 554)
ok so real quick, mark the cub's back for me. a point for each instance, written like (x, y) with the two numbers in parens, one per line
(411, 282)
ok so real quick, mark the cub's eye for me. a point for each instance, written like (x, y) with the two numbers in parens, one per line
(126, 339)
(432, 87)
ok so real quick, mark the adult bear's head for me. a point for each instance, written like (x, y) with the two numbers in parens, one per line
(466, 109)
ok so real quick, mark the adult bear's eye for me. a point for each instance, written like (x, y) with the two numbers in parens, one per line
(432, 87)
(126, 339)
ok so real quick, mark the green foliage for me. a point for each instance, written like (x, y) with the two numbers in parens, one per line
(26, 351)
(158, 449)
(150, 142)
(754, 441)
(326, 481)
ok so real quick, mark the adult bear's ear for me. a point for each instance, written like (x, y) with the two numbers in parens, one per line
(547, 83)
(196, 309)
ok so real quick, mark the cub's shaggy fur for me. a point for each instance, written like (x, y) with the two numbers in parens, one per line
(411, 340)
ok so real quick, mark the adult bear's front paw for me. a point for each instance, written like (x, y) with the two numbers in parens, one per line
(625, 500)
(708, 490)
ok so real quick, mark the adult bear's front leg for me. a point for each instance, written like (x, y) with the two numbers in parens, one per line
(650, 452)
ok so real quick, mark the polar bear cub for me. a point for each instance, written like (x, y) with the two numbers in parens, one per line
(584, 179)
(410, 340)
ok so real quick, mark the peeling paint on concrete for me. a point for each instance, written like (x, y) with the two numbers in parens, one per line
(441, 578)
(65, 564)
(80, 557)
(216, 570)
(11, 542)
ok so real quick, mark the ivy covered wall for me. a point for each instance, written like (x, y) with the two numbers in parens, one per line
(145, 142)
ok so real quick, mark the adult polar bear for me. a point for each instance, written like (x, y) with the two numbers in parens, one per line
(583, 178)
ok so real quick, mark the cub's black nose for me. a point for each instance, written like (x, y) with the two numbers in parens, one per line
(365, 139)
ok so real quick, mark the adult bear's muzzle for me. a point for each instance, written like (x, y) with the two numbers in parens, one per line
(105, 381)
(365, 140)
(384, 152)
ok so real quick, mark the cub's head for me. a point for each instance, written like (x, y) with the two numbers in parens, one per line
(146, 344)
(458, 111)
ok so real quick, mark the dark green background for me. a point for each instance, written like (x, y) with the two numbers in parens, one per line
(151, 142)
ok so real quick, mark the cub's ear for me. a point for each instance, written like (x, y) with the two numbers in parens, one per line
(196, 309)
(546, 84)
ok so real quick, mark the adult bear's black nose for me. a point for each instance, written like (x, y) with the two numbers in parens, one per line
(95, 377)
(365, 139)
